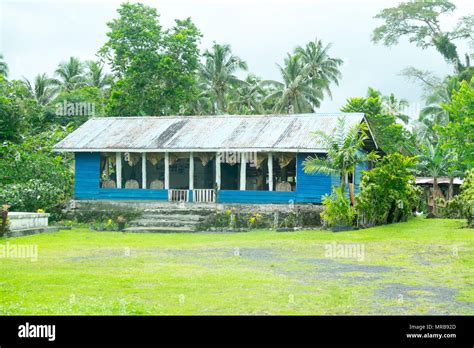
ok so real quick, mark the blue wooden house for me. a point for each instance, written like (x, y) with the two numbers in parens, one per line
(209, 159)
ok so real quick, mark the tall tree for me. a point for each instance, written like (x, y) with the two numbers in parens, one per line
(390, 136)
(395, 107)
(434, 162)
(436, 92)
(248, 97)
(155, 68)
(3, 67)
(296, 94)
(95, 75)
(42, 89)
(458, 134)
(420, 21)
(322, 70)
(70, 74)
(218, 74)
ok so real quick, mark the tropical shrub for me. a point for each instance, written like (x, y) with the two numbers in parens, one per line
(462, 205)
(33, 195)
(388, 193)
(29, 169)
(338, 208)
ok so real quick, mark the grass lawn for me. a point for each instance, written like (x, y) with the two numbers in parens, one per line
(418, 267)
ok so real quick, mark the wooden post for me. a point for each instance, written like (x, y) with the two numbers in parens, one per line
(218, 170)
(167, 170)
(191, 171)
(270, 171)
(243, 172)
(144, 170)
(118, 169)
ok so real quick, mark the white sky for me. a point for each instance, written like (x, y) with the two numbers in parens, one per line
(36, 35)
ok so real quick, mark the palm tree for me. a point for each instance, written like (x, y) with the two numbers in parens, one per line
(3, 67)
(321, 69)
(218, 74)
(96, 77)
(343, 151)
(249, 96)
(70, 74)
(394, 107)
(435, 95)
(296, 94)
(42, 89)
(434, 162)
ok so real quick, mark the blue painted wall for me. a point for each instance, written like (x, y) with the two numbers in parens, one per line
(87, 183)
(309, 187)
(358, 174)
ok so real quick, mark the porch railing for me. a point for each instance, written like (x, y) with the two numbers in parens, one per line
(204, 195)
(178, 195)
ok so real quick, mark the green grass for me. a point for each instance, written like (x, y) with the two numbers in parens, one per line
(418, 267)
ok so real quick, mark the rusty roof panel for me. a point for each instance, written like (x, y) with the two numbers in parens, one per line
(206, 133)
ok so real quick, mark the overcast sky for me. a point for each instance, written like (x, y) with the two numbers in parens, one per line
(36, 35)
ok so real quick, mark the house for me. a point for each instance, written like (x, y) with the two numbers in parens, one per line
(209, 159)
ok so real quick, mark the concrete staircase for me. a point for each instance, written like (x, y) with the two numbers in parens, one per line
(168, 219)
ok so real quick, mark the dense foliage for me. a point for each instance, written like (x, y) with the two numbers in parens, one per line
(387, 193)
(338, 208)
(32, 177)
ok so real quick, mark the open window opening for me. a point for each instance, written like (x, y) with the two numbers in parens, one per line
(108, 175)
(155, 171)
(131, 170)
(284, 171)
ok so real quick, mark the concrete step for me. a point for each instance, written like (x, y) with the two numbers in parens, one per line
(162, 222)
(172, 217)
(161, 229)
(178, 211)
(31, 231)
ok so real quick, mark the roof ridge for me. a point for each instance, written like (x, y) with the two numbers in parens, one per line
(233, 116)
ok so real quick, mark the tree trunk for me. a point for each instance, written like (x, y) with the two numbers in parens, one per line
(450, 189)
(435, 190)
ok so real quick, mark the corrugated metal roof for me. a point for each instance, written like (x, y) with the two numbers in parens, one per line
(426, 180)
(204, 133)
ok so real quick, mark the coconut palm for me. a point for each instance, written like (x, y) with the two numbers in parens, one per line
(218, 74)
(434, 162)
(248, 96)
(343, 151)
(296, 94)
(95, 75)
(70, 74)
(394, 107)
(42, 89)
(3, 67)
(435, 95)
(322, 70)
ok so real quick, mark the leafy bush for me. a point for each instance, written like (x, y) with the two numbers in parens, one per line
(33, 195)
(462, 205)
(104, 215)
(29, 170)
(388, 193)
(338, 208)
